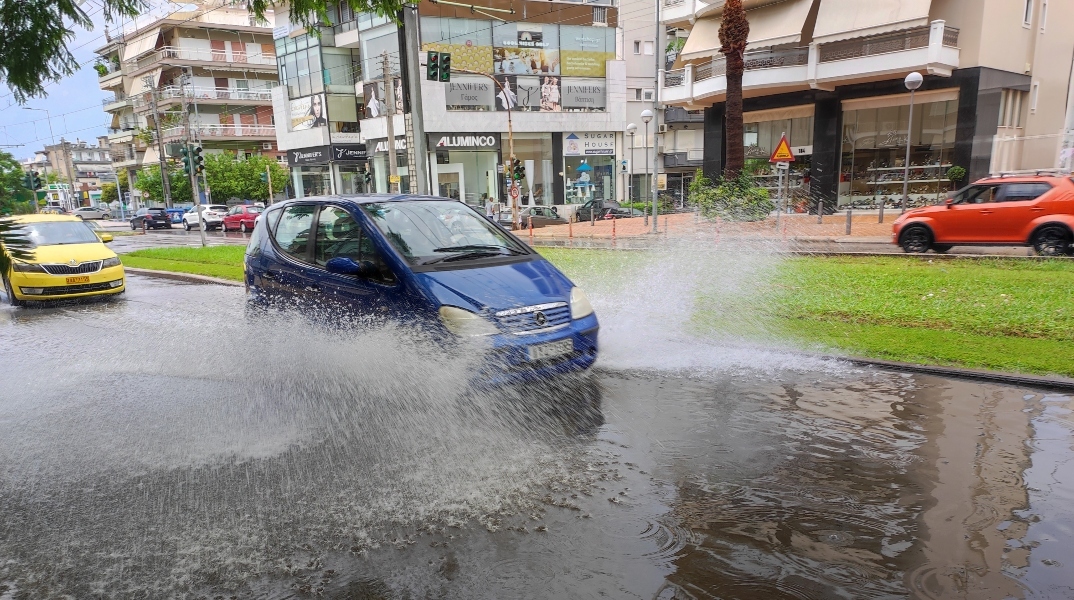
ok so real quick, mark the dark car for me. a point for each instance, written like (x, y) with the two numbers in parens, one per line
(151, 218)
(539, 215)
(594, 209)
(431, 262)
(622, 213)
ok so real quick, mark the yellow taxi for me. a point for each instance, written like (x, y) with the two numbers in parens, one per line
(69, 260)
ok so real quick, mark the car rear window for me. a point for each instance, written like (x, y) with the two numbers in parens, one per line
(217, 207)
(158, 211)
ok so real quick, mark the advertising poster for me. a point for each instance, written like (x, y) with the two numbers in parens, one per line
(469, 41)
(374, 105)
(506, 92)
(308, 112)
(584, 95)
(585, 51)
(525, 49)
(470, 93)
(551, 98)
(524, 92)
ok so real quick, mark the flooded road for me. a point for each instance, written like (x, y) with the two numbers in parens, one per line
(161, 446)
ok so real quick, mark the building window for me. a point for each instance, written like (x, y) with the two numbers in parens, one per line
(1043, 14)
(600, 15)
(1034, 94)
(637, 46)
(635, 93)
(648, 48)
(648, 95)
(1027, 15)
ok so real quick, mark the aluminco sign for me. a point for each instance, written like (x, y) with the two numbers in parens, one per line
(467, 141)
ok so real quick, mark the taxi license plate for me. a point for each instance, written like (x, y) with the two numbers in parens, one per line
(83, 279)
(551, 349)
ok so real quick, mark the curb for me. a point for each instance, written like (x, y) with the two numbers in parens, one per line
(1034, 381)
(184, 277)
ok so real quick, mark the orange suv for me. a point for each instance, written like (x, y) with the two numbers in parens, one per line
(1033, 211)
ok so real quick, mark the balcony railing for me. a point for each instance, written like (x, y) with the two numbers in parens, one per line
(882, 44)
(675, 78)
(670, 3)
(113, 99)
(200, 54)
(754, 61)
(210, 94)
(221, 131)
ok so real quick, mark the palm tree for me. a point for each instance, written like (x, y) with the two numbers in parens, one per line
(13, 244)
(734, 32)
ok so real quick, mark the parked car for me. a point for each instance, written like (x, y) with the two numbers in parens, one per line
(540, 215)
(98, 231)
(1035, 211)
(241, 217)
(93, 212)
(54, 210)
(69, 261)
(151, 218)
(594, 209)
(622, 213)
(212, 213)
(397, 257)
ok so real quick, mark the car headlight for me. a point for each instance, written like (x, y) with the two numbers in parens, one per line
(580, 306)
(110, 262)
(25, 267)
(464, 323)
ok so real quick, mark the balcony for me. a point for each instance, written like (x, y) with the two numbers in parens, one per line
(680, 12)
(218, 59)
(691, 158)
(764, 69)
(115, 102)
(674, 115)
(208, 95)
(112, 78)
(207, 133)
(932, 49)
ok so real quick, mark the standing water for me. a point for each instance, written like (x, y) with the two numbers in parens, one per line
(164, 446)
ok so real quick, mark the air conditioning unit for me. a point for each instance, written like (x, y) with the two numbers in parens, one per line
(266, 145)
(663, 128)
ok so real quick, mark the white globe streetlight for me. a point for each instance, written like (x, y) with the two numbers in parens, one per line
(912, 82)
(632, 129)
(646, 116)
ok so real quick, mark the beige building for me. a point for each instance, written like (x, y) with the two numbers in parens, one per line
(215, 58)
(829, 74)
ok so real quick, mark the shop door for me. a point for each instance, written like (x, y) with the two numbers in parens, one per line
(450, 182)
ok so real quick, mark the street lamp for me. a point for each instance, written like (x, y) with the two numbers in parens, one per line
(912, 82)
(646, 116)
(632, 129)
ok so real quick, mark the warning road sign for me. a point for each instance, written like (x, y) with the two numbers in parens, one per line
(782, 153)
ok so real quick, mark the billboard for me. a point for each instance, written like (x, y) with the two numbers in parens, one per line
(308, 112)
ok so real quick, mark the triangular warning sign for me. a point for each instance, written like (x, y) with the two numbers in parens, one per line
(782, 152)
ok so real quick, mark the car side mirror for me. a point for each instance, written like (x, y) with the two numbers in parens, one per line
(949, 202)
(342, 265)
(106, 237)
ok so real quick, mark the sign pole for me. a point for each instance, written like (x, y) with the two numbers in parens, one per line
(781, 158)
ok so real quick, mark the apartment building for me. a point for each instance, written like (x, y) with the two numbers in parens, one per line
(829, 74)
(558, 67)
(79, 167)
(216, 59)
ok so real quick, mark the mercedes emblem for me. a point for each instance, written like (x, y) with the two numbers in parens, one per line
(540, 319)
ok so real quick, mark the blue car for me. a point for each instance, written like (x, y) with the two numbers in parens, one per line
(426, 259)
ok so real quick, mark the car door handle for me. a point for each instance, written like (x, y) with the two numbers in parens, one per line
(311, 288)
(986, 212)
(1036, 209)
(269, 275)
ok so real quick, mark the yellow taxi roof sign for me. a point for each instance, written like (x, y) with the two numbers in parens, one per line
(782, 153)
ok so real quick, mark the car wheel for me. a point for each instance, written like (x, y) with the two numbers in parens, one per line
(186, 225)
(243, 228)
(80, 218)
(1051, 240)
(133, 227)
(223, 227)
(11, 295)
(941, 248)
(915, 239)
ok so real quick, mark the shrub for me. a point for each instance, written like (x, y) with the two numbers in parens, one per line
(736, 198)
(956, 174)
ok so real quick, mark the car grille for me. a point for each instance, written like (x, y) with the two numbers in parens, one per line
(87, 267)
(62, 290)
(528, 318)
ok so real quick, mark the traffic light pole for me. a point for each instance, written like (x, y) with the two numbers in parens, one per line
(191, 164)
(412, 104)
(164, 180)
(389, 119)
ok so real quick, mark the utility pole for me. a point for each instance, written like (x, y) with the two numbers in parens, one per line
(160, 143)
(192, 163)
(268, 178)
(70, 168)
(660, 58)
(389, 116)
(410, 68)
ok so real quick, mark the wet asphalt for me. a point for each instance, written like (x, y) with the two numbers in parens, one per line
(165, 445)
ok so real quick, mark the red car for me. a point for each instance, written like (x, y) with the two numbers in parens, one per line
(241, 217)
(1035, 211)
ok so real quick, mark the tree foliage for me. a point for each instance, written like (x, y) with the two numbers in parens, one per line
(734, 34)
(109, 193)
(230, 177)
(36, 33)
(732, 198)
(152, 187)
(15, 197)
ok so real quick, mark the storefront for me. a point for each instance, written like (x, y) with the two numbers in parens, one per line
(534, 151)
(463, 166)
(351, 163)
(762, 131)
(874, 149)
(311, 173)
(589, 167)
(381, 167)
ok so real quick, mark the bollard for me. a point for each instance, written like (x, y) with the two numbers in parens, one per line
(531, 230)
(717, 231)
(820, 211)
(784, 231)
(145, 229)
(665, 224)
(613, 230)
(850, 217)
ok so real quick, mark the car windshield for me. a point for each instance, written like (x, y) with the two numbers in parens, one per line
(216, 207)
(434, 231)
(58, 233)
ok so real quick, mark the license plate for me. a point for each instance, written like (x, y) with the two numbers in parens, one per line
(83, 279)
(551, 349)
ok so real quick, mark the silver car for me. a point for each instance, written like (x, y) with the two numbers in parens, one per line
(93, 212)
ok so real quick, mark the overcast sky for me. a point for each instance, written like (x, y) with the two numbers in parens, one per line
(73, 103)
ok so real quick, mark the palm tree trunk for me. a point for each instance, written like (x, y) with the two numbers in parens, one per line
(736, 155)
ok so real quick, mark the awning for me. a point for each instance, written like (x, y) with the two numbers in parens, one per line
(138, 84)
(141, 44)
(778, 114)
(847, 19)
(770, 25)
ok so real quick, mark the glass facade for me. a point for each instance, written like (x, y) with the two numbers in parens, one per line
(467, 175)
(874, 154)
(761, 138)
(380, 171)
(299, 63)
(315, 181)
(588, 178)
(534, 150)
(352, 179)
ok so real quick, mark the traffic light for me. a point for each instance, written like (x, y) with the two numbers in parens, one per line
(445, 66)
(198, 160)
(264, 178)
(185, 152)
(27, 181)
(367, 176)
(35, 181)
(518, 171)
(432, 72)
